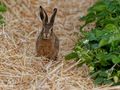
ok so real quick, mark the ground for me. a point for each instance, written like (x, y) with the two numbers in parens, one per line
(19, 68)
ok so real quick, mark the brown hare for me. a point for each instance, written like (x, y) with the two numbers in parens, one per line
(47, 43)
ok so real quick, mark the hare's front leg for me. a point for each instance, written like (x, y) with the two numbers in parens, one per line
(55, 55)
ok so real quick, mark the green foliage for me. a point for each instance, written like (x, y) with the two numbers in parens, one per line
(2, 10)
(100, 49)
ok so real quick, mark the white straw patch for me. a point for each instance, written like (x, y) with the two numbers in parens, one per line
(49, 1)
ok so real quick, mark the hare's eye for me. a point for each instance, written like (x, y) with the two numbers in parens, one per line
(51, 29)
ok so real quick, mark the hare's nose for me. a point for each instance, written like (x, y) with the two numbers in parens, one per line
(46, 35)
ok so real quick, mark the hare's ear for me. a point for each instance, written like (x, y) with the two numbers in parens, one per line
(53, 16)
(43, 15)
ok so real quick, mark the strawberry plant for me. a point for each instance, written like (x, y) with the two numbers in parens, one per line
(100, 47)
(2, 10)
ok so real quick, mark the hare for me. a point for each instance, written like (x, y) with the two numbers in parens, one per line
(47, 43)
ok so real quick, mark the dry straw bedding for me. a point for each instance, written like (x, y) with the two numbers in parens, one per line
(19, 68)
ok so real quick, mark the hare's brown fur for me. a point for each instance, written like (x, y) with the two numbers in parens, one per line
(47, 47)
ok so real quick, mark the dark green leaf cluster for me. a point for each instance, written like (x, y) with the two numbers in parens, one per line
(2, 10)
(100, 49)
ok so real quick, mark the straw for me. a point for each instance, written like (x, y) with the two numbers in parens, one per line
(19, 68)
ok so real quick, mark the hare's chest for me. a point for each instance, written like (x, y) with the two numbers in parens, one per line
(46, 49)
(46, 45)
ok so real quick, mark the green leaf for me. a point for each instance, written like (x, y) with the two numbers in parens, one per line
(99, 80)
(1, 21)
(103, 42)
(116, 59)
(102, 60)
(118, 73)
(108, 82)
(95, 74)
(90, 17)
(116, 84)
(1, 17)
(111, 28)
(114, 37)
(115, 78)
(100, 7)
(99, 33)
(91, 36)
(2, 8)
(72, 55)
(91, 68)
(103, 74)
(94, 46)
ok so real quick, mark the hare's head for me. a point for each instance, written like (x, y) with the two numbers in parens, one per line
(47, 29)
